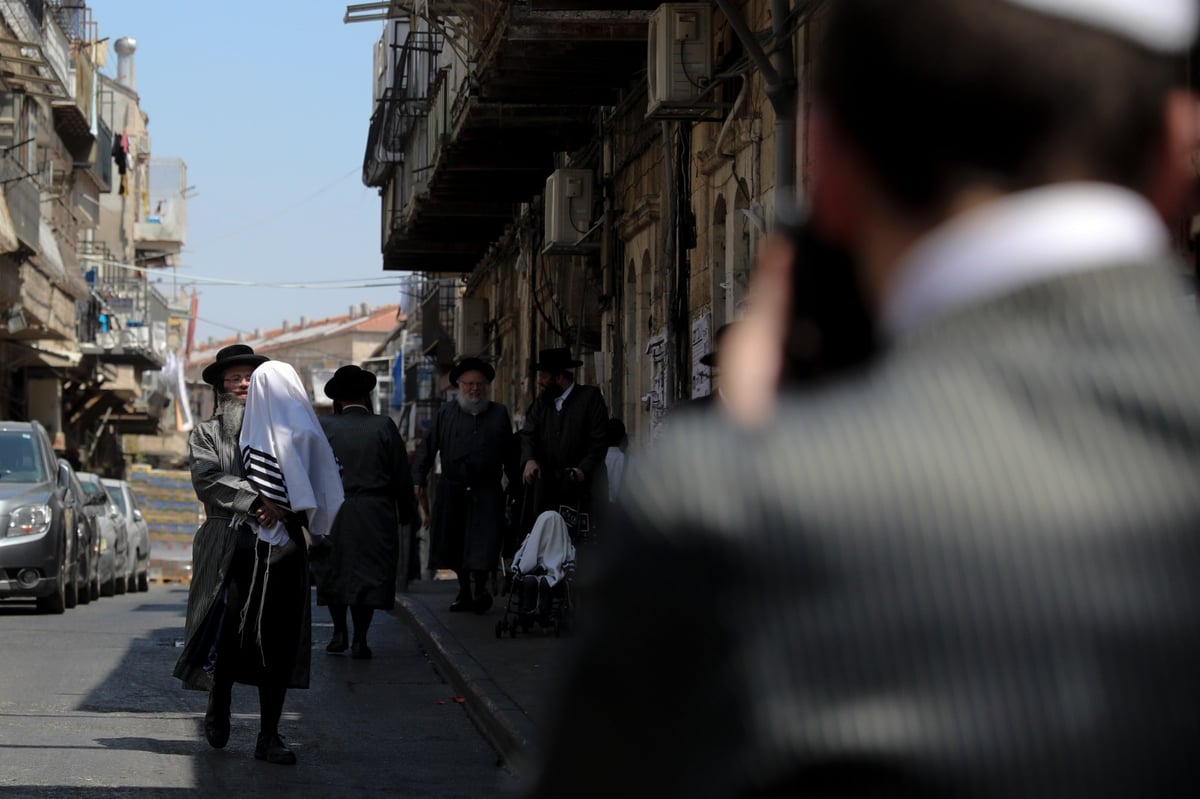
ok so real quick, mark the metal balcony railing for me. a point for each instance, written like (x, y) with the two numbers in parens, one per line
(414, 68)
(123, 314)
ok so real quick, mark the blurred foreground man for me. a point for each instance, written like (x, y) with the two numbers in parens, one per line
(972, 569)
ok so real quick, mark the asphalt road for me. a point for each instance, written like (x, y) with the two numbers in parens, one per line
(88, 708)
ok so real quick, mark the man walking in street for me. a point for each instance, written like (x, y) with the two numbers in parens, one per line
(229, 563)
(970, 569)
(474, 438)
(357, 571)
(563, 440)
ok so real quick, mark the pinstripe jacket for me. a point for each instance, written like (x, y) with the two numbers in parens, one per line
(973, 571)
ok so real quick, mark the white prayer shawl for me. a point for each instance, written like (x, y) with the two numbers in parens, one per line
(285, 453)
(548, 545)
(287, 458)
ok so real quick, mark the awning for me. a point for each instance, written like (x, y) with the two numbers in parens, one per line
(50, 258)
(8, 233)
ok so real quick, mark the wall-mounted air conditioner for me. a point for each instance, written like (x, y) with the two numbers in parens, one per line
(568, 207)
(678, 56)
(470, 327)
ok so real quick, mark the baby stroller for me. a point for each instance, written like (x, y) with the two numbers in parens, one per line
(540, 581)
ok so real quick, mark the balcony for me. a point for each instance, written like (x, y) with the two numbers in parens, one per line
(163, 231)
(123, 321)
(539, 72)
(414, 72)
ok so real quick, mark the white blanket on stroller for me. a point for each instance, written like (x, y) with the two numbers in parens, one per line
(548, 545)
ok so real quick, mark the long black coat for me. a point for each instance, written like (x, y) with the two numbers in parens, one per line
(359, 566)
(558, 440)
(468, 512)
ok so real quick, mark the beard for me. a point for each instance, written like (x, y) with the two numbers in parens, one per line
(551, 392)
(231, 409)
(472, 406)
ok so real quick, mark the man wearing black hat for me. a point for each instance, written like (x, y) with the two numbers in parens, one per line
(563, 441)
(475, 439)
(225, 569)
(359, 569)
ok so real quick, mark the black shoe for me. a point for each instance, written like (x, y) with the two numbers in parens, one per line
(461, 604)
(272, 749)
(360, 651)
(337, 644)
(216, 721)
(483, 602)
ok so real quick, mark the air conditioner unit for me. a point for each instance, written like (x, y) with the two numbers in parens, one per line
(678, 56)
(568, 207)
(470, 326)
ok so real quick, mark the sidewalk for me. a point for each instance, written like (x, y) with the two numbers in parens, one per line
(507, 684)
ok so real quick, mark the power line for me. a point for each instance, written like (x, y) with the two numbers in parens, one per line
(348, 283)
(281, 211)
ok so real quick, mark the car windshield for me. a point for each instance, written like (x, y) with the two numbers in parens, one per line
(91, 489)
(19, 461)
(118, 496)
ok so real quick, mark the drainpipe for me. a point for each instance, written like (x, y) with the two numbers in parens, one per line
(781, 85)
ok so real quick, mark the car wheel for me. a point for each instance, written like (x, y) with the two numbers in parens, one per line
(119, 584)
(110, 586)
(144, 581)
(85, 591)
(131, 584)
(71, 589)
(94, 589)
(57, 602)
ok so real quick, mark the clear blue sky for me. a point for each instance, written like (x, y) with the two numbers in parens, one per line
(268, 103)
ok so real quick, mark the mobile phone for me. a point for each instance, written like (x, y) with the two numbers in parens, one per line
(832, 329)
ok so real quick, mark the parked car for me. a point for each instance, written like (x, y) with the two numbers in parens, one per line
(87, 535)
(37, 529)
(114, 535)
(139, 533)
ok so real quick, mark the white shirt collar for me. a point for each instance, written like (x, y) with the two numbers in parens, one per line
(1020, 239)
(561, 398)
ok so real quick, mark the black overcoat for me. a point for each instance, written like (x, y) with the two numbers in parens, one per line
(359, 565)
(469, 519)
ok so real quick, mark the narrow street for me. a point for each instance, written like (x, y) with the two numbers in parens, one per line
(88, 708)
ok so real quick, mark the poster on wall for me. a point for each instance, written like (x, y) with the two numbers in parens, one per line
(655, 400)
(701, 346)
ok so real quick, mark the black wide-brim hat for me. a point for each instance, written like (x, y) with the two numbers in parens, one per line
(350, 383)
(472, 365)
(556, 359)
(233, 355)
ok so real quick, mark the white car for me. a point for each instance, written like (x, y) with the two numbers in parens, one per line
(138, 576)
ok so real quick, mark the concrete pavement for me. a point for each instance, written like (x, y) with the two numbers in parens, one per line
(506, 684)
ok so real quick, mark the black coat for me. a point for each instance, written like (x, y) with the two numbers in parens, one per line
(559, 440)
(359, 565)
(469, 521)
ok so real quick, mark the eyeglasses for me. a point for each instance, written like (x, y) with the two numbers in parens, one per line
(465, 384)
(233, 380)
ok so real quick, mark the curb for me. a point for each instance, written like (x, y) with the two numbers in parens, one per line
(502, 722)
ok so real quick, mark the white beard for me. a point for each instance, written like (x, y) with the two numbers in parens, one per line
(473, 407)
